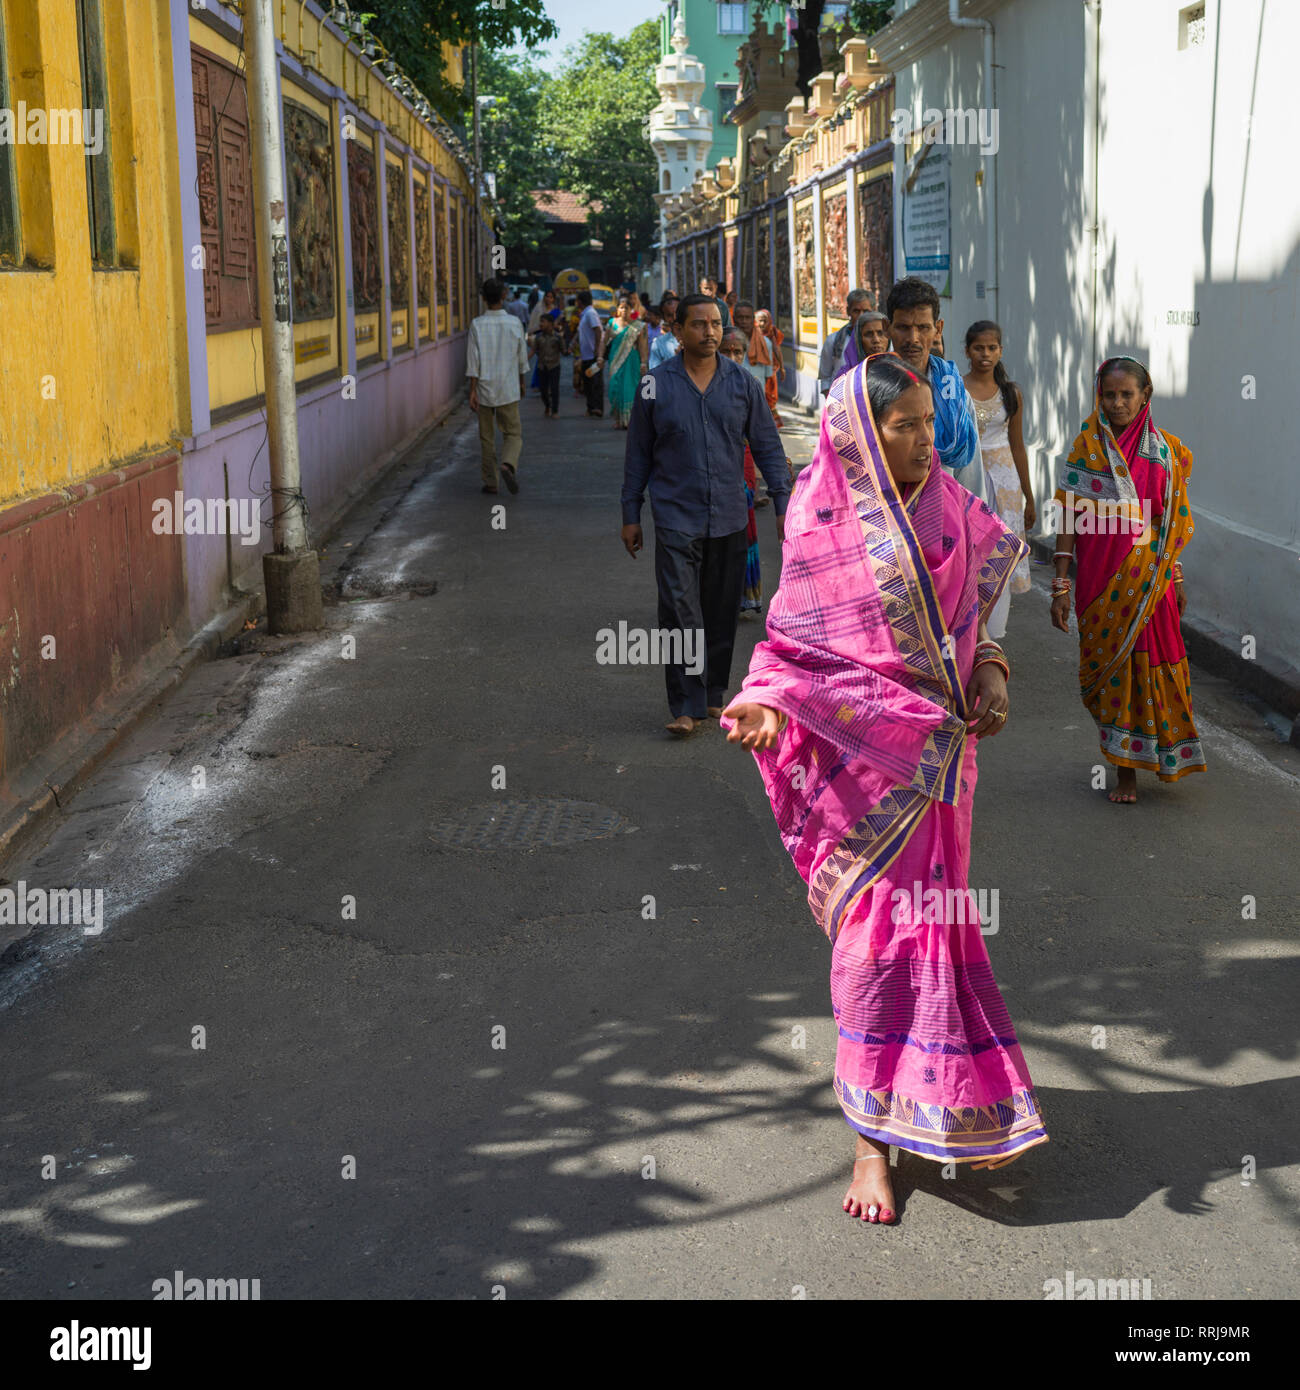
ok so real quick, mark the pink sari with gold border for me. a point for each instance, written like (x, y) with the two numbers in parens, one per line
(871, 643)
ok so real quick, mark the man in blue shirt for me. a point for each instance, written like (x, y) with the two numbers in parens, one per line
(590, 330)
(915, 330)
(516, 306)
(686, 443)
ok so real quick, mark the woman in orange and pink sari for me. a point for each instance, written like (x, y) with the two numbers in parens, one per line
(1124, 518)
(765, 346)
(863, 709)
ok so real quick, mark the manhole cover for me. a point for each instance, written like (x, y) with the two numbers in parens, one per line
(528, 824)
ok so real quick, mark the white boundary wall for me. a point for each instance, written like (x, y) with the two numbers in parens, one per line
(1194, 218)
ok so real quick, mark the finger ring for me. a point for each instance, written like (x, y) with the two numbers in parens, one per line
(997, 715)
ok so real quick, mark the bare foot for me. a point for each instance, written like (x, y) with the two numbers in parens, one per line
(1127, 789)
(871, 1194)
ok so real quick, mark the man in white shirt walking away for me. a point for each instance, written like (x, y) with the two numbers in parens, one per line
(497, 367)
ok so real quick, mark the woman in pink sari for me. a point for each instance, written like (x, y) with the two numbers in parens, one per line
(863, 708)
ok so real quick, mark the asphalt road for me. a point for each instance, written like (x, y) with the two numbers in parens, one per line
(496, 1071)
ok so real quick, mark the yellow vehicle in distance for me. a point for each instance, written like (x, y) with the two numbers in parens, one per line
(602, 300)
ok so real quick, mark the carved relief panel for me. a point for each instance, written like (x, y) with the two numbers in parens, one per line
(835, 244)
(876, 269)
(225, 180)
(399, 237)
(763, 274)
(440, 262)
(805, 260)
(423, 246)
(363, 210)
(456, 295)
(781, 221)
(310, 163)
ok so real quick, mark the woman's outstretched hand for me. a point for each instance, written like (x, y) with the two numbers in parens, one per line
(756, 726)
(986, 693)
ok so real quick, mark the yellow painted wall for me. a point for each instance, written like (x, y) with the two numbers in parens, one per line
(367, 332)
(101, 377)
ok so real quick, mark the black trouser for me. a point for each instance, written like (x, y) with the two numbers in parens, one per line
(549, 379)
(594, 387)
(701, 580)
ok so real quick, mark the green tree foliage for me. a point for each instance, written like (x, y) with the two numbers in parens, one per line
(413, 31)
(593, 116)
(869, 16)
(513, 151)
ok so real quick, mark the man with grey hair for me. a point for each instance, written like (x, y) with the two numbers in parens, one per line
(833, 348)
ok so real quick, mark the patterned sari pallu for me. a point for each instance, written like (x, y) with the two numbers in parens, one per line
(871, 642)
(1125, 500)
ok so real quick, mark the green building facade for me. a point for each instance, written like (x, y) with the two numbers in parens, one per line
(715, 29)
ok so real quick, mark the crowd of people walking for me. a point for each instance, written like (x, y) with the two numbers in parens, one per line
(902, 543)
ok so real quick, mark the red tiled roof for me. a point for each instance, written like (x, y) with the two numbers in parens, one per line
(558, 205)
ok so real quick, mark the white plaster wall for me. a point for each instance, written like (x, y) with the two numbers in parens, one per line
(1200, 211)
(1191, 216)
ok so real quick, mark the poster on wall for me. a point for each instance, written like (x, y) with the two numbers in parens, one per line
(927, 220)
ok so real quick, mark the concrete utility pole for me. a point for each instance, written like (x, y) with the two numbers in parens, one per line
(291, 572)
(476, 262)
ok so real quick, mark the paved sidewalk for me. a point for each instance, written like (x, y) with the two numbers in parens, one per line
(287, 856)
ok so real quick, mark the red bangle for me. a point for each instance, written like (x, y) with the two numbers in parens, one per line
(993, 661)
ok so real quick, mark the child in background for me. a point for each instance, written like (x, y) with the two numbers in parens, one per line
(548, 344)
